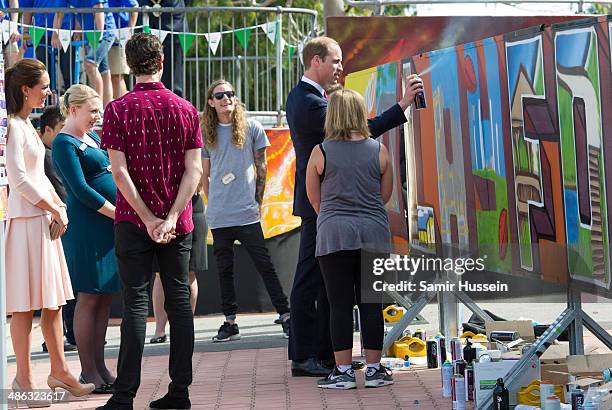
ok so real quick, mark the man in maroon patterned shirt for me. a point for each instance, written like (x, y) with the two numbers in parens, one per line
(153, 139)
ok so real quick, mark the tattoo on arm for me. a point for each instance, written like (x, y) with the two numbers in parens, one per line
(261, 168)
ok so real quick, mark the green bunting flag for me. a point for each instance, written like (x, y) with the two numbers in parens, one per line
(186, 39)
(36, 34)
(243, 37)
(291, 51)
(93, 37)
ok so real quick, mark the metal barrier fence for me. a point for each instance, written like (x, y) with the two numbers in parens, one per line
(257, 49)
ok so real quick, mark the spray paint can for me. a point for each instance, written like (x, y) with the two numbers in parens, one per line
(460, 366)
(441, 349)
(458, 392)
(469, 382)
(504, 335)
(456, 352)
(577, 399)
(447, 379)
(419, 101)
(432, 353)
(420, 334)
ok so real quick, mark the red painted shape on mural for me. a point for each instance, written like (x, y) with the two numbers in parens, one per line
(470, 74)
(503, 233)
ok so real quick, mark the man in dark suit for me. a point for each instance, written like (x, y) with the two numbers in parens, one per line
(310, 347)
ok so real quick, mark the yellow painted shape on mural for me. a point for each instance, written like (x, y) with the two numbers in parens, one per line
(364, 82)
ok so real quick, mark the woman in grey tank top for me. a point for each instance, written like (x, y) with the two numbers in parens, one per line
(348, 180)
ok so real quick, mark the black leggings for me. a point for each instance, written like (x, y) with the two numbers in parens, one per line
(342, 276)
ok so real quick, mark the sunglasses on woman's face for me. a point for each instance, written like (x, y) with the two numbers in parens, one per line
(219, 95)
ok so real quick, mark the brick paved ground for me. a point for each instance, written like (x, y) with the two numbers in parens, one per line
(260, 379)
(253, 373)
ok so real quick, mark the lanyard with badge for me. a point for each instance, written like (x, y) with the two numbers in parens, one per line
(228, 178)
(84, 146)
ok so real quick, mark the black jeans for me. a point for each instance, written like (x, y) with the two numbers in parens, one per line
(342, 276)
(251, 237)
(309, 306)
(135, 251)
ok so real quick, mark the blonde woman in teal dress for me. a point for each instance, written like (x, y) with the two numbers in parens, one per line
(89, 244)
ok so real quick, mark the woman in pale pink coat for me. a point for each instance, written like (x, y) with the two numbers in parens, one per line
(36, 272)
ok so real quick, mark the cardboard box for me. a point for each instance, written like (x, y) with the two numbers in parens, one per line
(586, 370)
(523, 327)
(486, 375)
(556, 373)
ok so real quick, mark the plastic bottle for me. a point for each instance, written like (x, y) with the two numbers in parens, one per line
(501, 397)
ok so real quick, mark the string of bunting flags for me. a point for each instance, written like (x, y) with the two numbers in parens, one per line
(185, 39)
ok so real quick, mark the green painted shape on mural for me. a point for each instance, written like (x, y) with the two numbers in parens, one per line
(523, 160)
(525, 243)
(487, 223)
(592, 69)
(568, 149)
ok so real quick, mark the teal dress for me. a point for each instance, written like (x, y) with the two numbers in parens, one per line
(89, 243)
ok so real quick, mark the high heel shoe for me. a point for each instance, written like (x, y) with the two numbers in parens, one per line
(30, 403)
(79, 391)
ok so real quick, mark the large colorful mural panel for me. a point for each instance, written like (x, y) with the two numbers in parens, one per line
(517, 130)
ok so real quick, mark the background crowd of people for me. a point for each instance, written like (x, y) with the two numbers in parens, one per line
(105, 66)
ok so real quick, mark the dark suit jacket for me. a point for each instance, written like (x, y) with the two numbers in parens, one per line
(306, 110)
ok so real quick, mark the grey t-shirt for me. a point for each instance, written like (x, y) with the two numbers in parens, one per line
(231, 193)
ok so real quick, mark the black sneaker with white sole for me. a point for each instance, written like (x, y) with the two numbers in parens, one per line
(227, 332)
(338, 380)
(378, 377)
